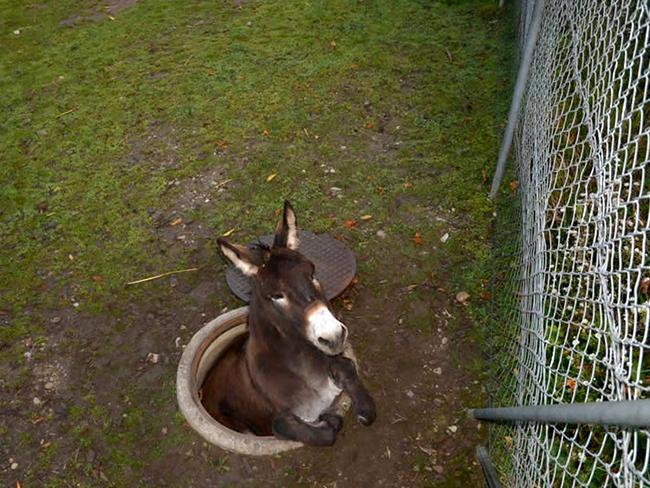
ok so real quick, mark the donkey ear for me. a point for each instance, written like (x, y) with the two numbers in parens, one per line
(286, 233)
(239, 256)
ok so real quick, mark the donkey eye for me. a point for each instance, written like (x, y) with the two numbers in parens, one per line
(277, 296)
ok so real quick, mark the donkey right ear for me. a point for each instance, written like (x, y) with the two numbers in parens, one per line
(239, 256)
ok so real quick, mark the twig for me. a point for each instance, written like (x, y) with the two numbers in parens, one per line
(162, 275)
(224, 182)
(73, 109)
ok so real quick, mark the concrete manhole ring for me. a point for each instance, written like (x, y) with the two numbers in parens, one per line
(200, 354)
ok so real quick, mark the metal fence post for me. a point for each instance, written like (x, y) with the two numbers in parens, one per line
(630, 413)
(517, 96)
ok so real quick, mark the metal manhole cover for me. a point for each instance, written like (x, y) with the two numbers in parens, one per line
(334, 261)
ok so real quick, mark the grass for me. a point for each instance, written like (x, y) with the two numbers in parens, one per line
(393, 102)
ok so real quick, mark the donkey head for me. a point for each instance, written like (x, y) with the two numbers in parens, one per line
(284, 290)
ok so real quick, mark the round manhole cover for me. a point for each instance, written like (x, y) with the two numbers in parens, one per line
(334, 262)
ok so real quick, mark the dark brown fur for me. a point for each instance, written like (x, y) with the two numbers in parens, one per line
(262, 383)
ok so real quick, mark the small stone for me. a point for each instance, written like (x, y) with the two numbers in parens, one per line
(55, 320)
(37, 401)
(444, 341)
(14, 466)
(153, 358)
(452, 428)
(163, 431)
(410, 394)
(445, 237)
(177, 342)
(381, 234)
(438, 469)
(91, 456)
(438, 371)
(49, 385)
(462, 297)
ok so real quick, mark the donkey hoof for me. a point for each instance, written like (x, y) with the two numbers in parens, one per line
(366, 416)
(333, 420)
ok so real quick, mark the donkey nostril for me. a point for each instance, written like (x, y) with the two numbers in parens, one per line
(325, 342)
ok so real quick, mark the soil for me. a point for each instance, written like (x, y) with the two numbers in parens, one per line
(418, 375)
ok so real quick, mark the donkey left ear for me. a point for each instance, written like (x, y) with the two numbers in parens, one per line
(286, 233)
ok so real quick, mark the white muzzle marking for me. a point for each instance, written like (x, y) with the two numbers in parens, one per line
(324, 331)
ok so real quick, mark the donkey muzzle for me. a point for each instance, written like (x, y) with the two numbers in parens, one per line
(324, 331)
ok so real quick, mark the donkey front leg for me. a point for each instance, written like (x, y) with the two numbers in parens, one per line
(286, 425)
(345, 376)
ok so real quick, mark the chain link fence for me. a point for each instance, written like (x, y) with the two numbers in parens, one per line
(571, 287)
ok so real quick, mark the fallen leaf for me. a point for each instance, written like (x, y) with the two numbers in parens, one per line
(333, 44)
(366, 217)
(38, 420)
(350, 224)
(571, 384)
(179, 220)
(486, 295)
(462, 297)
(46, 445)
(508, 440)
(645, 285)
(222, 144)
(229, 232)
(266, 133)
(514, 184)
(354, 66)
(370, 125)
(485, 176)
(407, 184)
(418, 239)
(98, 278)
(271, 176)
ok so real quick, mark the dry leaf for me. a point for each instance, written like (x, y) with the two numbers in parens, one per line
(571, 384)
(484, 175)
(222, 144)
(176, 222)
(462, 297)
(98, 278)
(271, 176)
(514, 184)
(418, 239)
(486, 295)
(350, 224)
(333, 44)
(370, 125)
(354, 66)
(407, 184)
(266, 133)
(229, 232)
(366, 217)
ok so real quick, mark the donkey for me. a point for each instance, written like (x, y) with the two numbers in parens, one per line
(283, 379)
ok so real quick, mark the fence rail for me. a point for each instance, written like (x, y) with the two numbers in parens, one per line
(571, 287)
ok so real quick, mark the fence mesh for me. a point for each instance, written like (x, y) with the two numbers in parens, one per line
(571, 288)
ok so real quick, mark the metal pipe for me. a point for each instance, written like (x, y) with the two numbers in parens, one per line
(517, 96)
(629, 413)
(490, 473)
